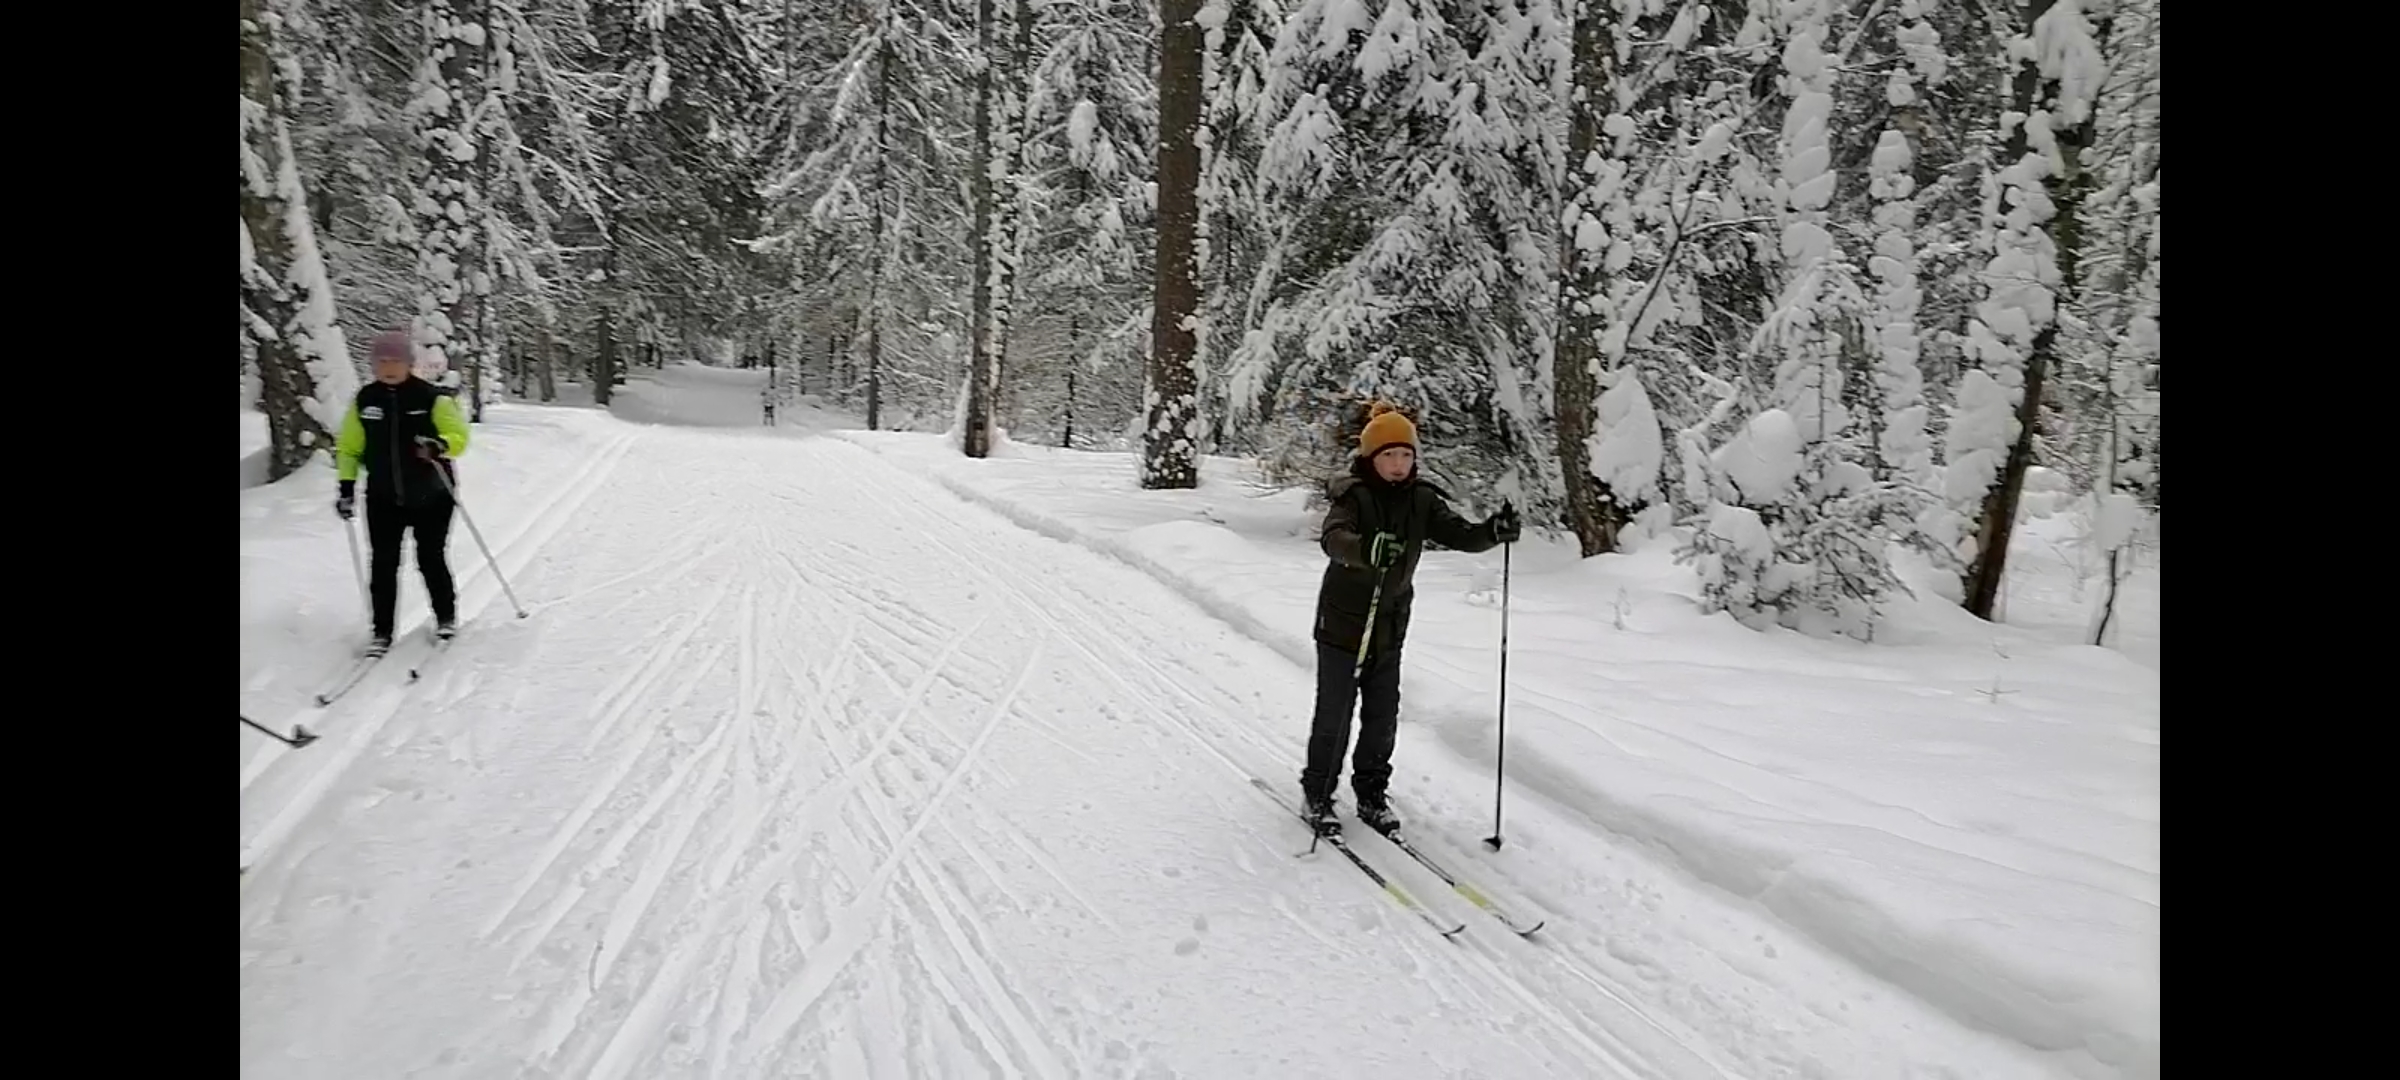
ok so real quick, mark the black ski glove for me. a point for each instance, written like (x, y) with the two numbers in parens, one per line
(345, 500)
(431, 447)
(1505, 526)
(1383, 551)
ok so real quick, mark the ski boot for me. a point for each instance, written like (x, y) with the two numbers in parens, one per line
(1318, 809)
(379, 645)
(445, 630)
(1376, 813)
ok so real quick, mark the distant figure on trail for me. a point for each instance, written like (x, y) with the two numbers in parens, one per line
(766, 401)
(1379, 518)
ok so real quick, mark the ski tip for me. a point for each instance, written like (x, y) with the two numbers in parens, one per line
(323, 700)
(301, 736)
(1532, 930)
(1454, 931)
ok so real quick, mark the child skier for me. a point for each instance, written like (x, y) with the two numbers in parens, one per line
(1378, 521)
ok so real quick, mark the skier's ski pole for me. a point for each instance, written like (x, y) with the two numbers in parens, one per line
(358, 568)
(299, 737)
(1358, 670)
(1500, 755)
(439, 471)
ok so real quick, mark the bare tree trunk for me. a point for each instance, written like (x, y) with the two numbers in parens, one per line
(1171, 437)
(268, 293)
(1066, 438)
(2066, 192)
(998, 110)
(1583, 286)
(545, 359)
(873, 312)
(604, 361)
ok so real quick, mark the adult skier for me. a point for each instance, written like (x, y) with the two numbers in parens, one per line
(401, 429)
(1377, 523)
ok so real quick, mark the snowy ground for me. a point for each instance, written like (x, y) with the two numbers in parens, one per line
(805, 765)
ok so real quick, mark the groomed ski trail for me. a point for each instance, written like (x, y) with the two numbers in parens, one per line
(872, 783)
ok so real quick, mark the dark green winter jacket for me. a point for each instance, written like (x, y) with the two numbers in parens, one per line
(1363, 504)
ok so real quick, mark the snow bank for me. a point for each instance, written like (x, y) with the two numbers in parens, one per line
(1969, 811)
(254, 449)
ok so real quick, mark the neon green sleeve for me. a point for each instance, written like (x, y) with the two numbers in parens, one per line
(348, 444)
(451, 425)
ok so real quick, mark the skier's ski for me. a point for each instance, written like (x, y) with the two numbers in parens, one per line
(1474, 895)
(440, 645)
(349, 679)
(1390, 887)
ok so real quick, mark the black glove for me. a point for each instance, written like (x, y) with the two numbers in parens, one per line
(345, 500)
(1383, 551)
(1505, 526)
(430, 447)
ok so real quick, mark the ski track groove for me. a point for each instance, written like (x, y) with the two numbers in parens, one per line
(881, 815)
(850, 927)
(598, 794)
(578, 883)
(831, 795)
(948, 910)
(641, 1024)
(654, 666)
(877, 609)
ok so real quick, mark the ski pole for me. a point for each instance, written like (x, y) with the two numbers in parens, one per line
(358, 568)
(299, 737)
(444, 474)
(1358, 670)
(1500, 755)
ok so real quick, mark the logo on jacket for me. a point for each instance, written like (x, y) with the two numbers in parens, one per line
(371, 412)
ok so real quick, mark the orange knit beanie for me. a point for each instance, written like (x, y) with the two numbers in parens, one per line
(1385, 428)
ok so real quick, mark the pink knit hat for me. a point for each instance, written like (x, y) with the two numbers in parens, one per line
(392, 345)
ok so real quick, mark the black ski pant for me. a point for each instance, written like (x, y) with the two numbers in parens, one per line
(386, 521)
(1376, 691)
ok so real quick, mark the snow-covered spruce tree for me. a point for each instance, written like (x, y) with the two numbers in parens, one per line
(1802, 537)
(1171, 431)
(867, 207)
(1238, 37)
(1409, 164)
(678, 84)
(1669, 251)
(2032, 215)
(303, 367)
(2112, 340)
(541, 160)
(1634, 179)
(448, 201)
(1077, 352)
